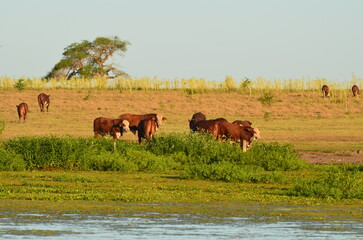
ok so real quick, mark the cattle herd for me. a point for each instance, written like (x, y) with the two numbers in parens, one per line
(146, 125)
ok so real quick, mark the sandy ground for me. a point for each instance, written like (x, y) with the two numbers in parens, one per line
(353, 157)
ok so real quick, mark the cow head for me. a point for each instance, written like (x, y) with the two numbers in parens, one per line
(124, 125)
(159, 119)
(256, 133)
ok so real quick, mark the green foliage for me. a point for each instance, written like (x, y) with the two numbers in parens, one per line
(20, 85)
(2, 126)
(339, 182)
(267, 99)
(10, 161)
(89, 59)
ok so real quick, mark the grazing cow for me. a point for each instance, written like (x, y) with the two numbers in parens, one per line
(114, 127)
(208, 126)
(43, 101)
(134, 119)
(22, 111)
(196, 118)
(326, 91)
(355, 90)
(244, 135)
(147, 128)
(243, 123)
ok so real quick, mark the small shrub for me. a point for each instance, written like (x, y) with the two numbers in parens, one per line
(20, 85)
(2, 126)
(267, 99)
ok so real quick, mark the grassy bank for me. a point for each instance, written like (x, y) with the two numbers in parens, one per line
(304, 119)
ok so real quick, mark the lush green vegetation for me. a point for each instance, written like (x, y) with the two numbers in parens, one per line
(188, 156)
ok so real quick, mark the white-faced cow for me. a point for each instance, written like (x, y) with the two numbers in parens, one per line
(326, 91)
(43, 101)
(114, 127)
(134, 119)
(22, 111)
(243, 135)
(355, 90)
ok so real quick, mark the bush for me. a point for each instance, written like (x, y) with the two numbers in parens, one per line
(10, 161)
(337, 183)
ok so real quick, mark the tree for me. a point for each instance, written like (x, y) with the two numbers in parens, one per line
(89, 59)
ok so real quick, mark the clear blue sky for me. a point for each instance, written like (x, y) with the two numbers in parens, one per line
(191, 38)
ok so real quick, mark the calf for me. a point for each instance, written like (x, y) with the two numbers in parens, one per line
(355, 90)
(208, 126)
(244, 135)
(43, 101)
(134, 119)
(326, 91)
(196, 118)
(243, 123)
(147, 128)
(22, 111)
(114, 127)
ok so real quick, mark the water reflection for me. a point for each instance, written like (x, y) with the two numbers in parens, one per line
(174, 226)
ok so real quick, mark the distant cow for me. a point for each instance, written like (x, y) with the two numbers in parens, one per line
(147, 128)
(208, 126)
(196, 118)
(244, 135)
(355, 90)
(114, 127)
(326, 91)
(22, 111)
(242, 123)
(134, 119)
(43, 101)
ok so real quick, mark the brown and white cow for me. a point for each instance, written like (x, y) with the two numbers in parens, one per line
(43, 101)
(244, 135)
(196, 118)
(355, 90)
(134, 119)
(22, 111)
(147, 128)
(242, 123)
(114, 127)
(326, 91)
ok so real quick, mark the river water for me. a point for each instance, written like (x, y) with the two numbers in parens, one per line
(156, 226)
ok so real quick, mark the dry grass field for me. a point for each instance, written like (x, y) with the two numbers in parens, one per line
(331, 126)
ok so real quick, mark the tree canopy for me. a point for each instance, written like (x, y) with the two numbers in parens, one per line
(89, 59)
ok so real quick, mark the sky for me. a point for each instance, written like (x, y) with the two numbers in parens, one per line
(275, 39)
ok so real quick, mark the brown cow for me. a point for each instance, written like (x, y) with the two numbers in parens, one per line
(326, 91)
(208, 126)
(244, 135)
(147, 128)
(355, 90)
(22, 111)
(114, 127)
(43, 101)
(134, 119)
(196, 118)
(242, 123)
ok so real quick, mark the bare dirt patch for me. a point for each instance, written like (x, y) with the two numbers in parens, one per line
(352, 157)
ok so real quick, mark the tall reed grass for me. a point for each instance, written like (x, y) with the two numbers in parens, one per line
(191, 85)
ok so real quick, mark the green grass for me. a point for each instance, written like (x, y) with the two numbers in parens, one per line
(269, 172)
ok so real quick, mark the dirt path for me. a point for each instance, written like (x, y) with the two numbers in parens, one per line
(354, 157)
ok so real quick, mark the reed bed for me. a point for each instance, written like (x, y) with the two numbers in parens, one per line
(191, 85)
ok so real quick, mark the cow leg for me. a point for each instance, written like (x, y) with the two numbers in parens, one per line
(244, 145)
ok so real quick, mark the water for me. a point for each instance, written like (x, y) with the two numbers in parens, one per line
(155, 226)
